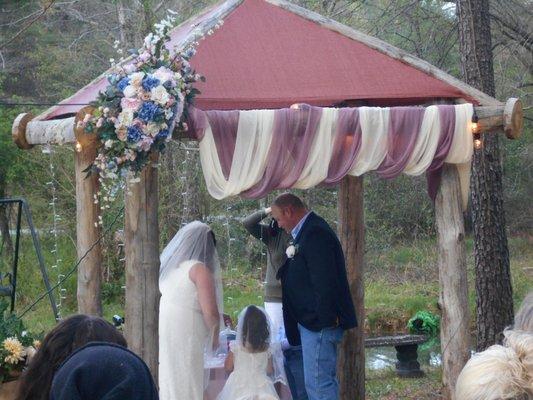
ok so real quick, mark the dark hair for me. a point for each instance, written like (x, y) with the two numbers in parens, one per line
(69, 335)
(255, 330)
(273, 227)
(289, 200)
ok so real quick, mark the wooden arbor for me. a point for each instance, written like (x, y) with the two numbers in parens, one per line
(142, 246)
(141, 208)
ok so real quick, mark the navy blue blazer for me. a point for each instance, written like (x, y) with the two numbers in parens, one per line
(315, 287)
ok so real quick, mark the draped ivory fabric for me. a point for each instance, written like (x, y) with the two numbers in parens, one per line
(287, 148)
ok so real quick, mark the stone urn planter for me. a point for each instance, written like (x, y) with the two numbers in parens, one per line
(8, 390)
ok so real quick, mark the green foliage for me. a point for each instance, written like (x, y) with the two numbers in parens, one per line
(10, 326)
(14, 343)
(424, 322)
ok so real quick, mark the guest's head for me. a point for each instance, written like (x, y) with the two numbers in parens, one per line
(288, 209)
(523, 319)
(101, 371)
(69, 335)
(254, 329)
(499, 372)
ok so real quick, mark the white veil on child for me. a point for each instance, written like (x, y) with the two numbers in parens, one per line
(274, 347)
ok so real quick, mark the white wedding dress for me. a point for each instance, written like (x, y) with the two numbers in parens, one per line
(182, 337)
(249, 380)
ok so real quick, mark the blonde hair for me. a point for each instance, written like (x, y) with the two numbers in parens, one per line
(499, 372)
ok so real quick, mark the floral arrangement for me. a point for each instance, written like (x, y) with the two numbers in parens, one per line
(17, 345)
(147, 97)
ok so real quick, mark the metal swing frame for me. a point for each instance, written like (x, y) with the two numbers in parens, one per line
(11, 289)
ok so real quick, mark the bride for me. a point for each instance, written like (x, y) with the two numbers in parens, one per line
(189, 315)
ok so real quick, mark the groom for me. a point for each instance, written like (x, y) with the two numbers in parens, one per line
(317, 305)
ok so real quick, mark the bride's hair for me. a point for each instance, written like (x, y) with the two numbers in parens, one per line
(255, 330)
(499, 372)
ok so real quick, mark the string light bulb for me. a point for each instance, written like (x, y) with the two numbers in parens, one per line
(478, 143)
(474, 126)
(79, 147)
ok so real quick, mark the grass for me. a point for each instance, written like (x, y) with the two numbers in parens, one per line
(403, 279)
(386, 385)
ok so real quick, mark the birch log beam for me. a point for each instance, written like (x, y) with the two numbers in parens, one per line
(453, 299)
(27, 132)
(141, 233)
(87, 229)
(351, 362)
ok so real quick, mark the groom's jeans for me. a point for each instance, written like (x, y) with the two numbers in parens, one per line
(294, 370)
(320, 362)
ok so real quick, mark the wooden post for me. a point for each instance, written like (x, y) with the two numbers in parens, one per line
(87, 229)
(351, 362)
(453, 300)
(141, 234)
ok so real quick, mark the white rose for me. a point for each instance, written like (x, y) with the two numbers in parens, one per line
(130, 91)
(160, 95)
(291, 251)
(125, 117)
(163, 74)
(108, 143)
(136, 78)
(152, 129)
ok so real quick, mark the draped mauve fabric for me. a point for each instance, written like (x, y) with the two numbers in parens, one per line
(254, 152)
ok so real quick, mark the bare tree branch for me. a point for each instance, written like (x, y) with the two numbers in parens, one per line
(43, 11)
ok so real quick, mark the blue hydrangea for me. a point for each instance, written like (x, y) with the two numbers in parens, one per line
(121, 85)
(149, 111)
(150, 82)
(162, 134)
(134, 134)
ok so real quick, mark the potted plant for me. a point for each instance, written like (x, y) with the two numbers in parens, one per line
(17, 346)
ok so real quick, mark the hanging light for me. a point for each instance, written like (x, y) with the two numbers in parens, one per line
(79, 147)
(475, 130)
(478, 144)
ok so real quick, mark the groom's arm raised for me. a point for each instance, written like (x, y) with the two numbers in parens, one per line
(202, 277)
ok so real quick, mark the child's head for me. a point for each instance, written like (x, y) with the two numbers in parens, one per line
(255, 329)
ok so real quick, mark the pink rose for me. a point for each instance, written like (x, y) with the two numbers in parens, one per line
(144, 56)
(130, 68)
(130, 103)
(145, 143)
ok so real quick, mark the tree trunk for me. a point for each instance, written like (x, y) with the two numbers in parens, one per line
(351, 362)
(493, 279)
(453, 298)
(141, 232)
(131, 32)
(87, 234)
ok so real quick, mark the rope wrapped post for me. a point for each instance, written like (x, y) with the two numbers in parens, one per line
(351, 362)
(87, 228)
(141, 232)
(453, 299)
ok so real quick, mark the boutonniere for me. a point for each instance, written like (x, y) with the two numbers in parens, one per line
(291, 250)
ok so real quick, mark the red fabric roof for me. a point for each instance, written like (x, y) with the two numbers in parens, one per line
(267, 57)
